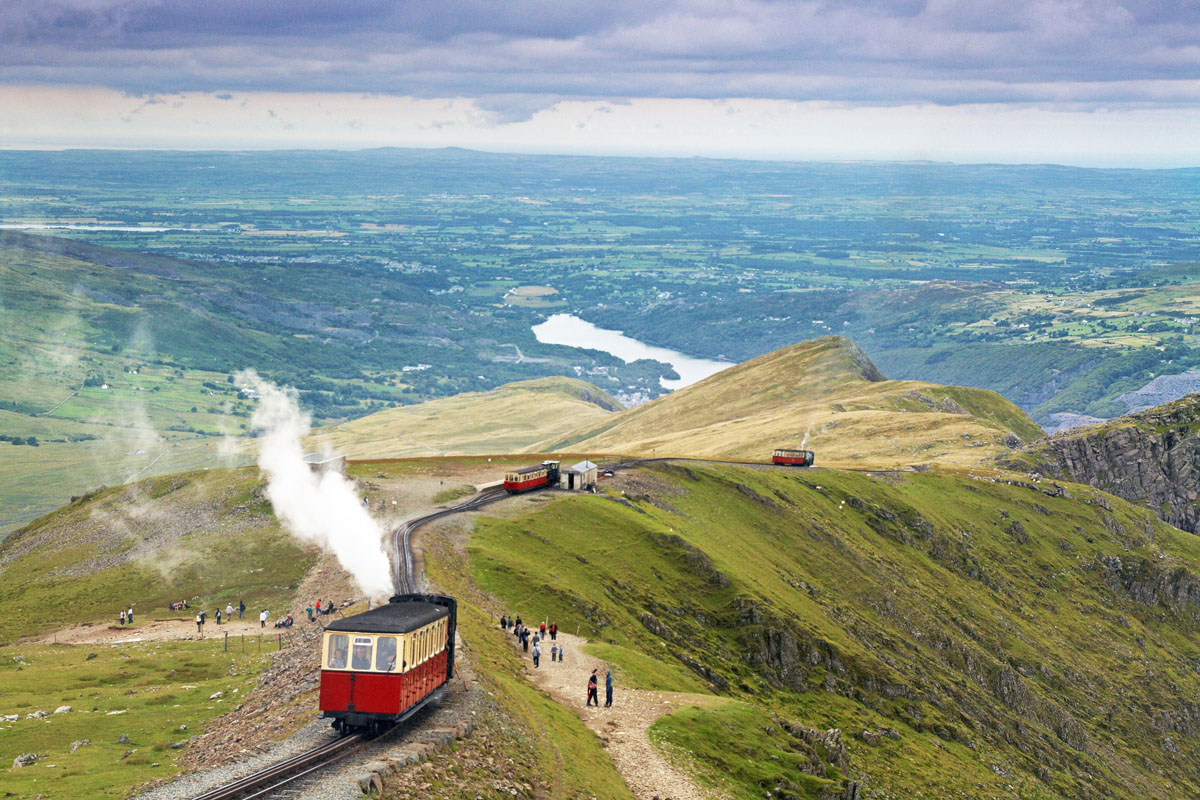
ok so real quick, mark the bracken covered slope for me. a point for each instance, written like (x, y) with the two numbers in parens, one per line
(970, 636)
(1151, 458)
(824, 392)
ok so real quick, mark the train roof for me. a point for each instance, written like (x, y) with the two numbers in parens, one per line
(391, 618)
(525, 470)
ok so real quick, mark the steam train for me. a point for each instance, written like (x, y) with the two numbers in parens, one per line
(526, 478)
(381, 666)
(793, 458)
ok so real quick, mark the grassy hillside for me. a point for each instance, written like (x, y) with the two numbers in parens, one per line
(507, 419)
(823, 388)
(971, 637)
(202, 536)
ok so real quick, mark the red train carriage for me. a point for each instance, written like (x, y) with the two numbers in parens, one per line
(793, 458)
(381, 666)
(522, 480)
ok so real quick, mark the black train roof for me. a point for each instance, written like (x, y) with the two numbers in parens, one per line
(391, 618)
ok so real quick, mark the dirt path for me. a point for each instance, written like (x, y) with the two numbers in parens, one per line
(624, 727)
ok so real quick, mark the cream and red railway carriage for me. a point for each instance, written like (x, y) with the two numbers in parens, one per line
(381, 666)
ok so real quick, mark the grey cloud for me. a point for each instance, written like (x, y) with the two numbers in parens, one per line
(518, 57)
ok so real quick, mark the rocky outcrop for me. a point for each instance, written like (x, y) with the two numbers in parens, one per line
(1151, 458)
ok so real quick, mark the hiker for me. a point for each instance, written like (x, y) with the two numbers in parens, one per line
(562, 652)
(229, 612)
(309, 610)
(199, 625)
(503, 623)
(525, 640)
(122, 617)
(542, 631)
(537, 655)
(218, 616)
(554, 652)
(554, 632)
(262, 618)
(591, 697)
(608, 688)
(518, 622)
(241, 609)
(328, 607)
(129, 615)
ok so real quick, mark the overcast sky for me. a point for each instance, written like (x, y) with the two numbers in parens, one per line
(1100, 82)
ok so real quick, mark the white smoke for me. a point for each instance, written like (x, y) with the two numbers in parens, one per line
(804, 441)
(321, 508)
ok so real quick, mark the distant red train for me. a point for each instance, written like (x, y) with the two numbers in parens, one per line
(381, 666)
(522, 480)
(793, 458)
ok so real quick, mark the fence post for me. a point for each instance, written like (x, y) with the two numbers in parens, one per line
(226, 641)
(260, 643)
(280, 647)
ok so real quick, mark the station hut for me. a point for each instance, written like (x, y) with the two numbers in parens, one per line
(581, 476)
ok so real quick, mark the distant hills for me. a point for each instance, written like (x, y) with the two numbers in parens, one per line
(825, 392)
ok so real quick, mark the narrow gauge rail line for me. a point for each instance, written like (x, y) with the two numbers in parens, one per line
(403, 569)
(284, 773)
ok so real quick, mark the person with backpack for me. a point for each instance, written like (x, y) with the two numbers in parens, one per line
(591, 691)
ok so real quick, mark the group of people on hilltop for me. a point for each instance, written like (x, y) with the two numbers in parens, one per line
(531, 642)
(226, 614)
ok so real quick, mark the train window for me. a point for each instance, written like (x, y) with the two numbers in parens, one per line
(339, 645)
(361, 659)
(385, 653)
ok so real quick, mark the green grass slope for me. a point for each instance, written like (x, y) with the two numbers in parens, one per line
(207, 536)
(970, 636)
(507, 419)
(823, 389)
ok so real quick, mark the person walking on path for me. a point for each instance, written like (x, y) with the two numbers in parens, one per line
(122, 617)
(309, 611)
(608, 688)
(241, 609)
(525, 641)
(554, 652)
(199, 625)
(591, 697)
(554, 632)
(503, 623)
(229, 612)
(562, 651)
(218, 616)
(542, 630)
(262, 618)
(129, 615)
(537, 655)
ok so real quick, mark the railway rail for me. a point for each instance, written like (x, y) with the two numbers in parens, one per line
(286, 773)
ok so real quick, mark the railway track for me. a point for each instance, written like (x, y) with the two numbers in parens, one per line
(403, 570)
(287, 773)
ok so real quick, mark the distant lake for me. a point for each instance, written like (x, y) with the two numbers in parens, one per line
(572, 331)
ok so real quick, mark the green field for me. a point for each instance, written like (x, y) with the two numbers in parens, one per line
(155, 693)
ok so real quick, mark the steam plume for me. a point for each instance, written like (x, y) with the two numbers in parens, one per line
(804, 441)
(321, 508)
